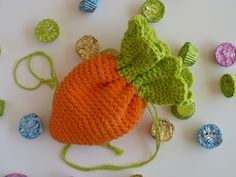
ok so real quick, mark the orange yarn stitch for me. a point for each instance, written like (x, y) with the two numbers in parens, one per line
(94, 105)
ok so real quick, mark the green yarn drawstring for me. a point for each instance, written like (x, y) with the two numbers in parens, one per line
(51, 83)
(117, 151)
(111, 51)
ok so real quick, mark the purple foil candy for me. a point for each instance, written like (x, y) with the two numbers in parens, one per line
(15, 175)
(225, 54)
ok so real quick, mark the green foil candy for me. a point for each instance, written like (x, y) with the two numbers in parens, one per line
(2, 106)
(184, 111)
(228, 85)
(47, 31)
(153, 10)
(189, 54)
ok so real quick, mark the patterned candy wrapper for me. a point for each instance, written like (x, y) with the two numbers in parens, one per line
(47, 30)
(2, 107)
(30, 126)
(225, 54)
(15, 175)
(153, 10)
(189, 54)
(228, 85)
(89, 5)
(210, 136)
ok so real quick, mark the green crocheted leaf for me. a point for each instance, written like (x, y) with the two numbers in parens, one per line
(167, 67)
(170, 66)
(168, 82)
(165, 47)
(187, 76)
(140, 49)
(190, 98)
(138, 29)
(165, 90)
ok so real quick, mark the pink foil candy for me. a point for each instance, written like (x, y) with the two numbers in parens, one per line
(15, 175)
(225, 54)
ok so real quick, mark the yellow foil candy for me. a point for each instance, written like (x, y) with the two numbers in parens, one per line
(167, 130)
(87, 46)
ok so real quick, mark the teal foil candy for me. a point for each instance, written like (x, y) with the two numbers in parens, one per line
(89, 5)
(210, 136)
(30, 126)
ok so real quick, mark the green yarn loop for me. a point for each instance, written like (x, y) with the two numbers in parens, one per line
(115, 149)
(51, 83)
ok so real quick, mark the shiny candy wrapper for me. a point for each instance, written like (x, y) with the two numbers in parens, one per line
(47, 30)
(137, 175)
(166, 128)
(228, 85)
(153, 10)
(210, 136)
(87, 46)
(15, 175)
(89, 5)
(30, 126)
(2, 107)
(225, 54)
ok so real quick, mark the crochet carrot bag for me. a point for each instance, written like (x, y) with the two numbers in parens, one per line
(104, 97)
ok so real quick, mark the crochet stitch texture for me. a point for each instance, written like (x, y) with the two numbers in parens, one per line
(94, 104)
(104, 97)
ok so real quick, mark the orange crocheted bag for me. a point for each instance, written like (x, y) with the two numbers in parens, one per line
(104, 97)
(94, 105)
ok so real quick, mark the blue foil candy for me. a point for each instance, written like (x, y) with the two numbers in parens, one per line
(89, 5)
(30, 126)
(210, 136)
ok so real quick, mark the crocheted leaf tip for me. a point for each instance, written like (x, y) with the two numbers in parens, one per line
(140, 49)
(104, 97)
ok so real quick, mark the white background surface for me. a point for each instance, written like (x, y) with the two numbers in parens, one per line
(205, 23)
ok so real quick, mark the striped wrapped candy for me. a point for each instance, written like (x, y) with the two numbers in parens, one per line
(89, 5)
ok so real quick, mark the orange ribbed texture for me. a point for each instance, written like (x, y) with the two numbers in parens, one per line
(94, 105)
